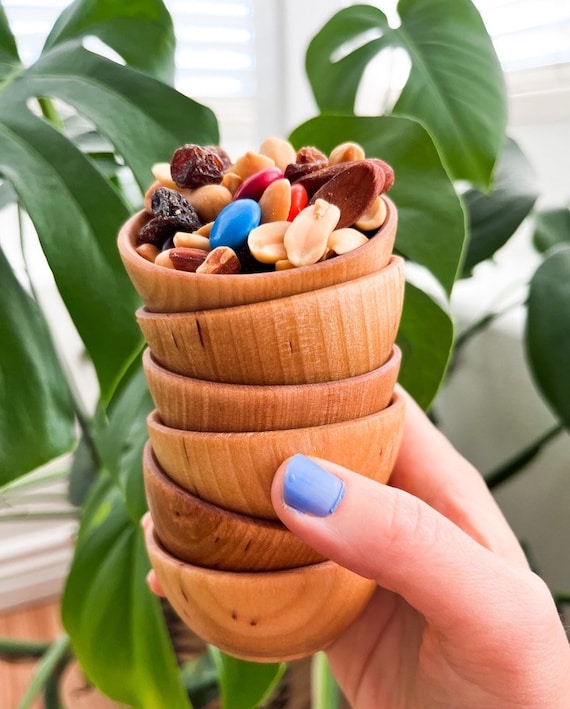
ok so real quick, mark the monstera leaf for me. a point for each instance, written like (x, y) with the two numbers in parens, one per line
(455, 85)
(74, 206)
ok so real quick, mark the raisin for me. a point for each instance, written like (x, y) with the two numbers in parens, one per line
(159, 229)
(294, 170)
(193, 166)
(168, 203)
(221, 153)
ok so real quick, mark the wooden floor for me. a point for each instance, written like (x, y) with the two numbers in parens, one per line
(41, 622)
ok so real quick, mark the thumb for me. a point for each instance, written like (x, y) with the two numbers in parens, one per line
(389, 535)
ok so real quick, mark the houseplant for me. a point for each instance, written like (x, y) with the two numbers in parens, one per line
(444, 127)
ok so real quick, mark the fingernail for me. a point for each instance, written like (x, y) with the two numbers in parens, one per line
(311, 489)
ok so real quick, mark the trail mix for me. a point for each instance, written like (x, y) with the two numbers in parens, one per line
(269, 210)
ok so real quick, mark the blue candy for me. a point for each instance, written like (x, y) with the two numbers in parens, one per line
(233, 224)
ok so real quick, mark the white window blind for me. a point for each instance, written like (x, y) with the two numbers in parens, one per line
(215, 55)
(528, 34)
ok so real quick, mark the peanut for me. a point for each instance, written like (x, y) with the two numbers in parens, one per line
(341, 241)
(231, 181)
(374, 217)
(161, 173)
(209, 200)
(220, 260)
(279, 150)
(306, 239)
(191, 240)
(346, 152)
(163, 259)
(266, 242)
(148, 251)
(250, 163)
(275, 202)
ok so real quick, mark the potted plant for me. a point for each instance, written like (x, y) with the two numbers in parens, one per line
(78, 181)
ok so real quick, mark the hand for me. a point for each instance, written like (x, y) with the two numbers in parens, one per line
(458, 621)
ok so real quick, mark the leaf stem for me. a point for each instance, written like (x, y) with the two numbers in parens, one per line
(514, 466)
(463, 338)
(50, 112)
(324, 688)
(58, 653)
(20, 650)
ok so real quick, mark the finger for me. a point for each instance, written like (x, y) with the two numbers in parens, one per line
(151, 579)
(430, 468)
(391, 536)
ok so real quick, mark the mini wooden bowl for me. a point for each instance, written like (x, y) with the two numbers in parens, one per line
(169, 291)
(235, 470)
(272, 616)
(199, 405)
(200, 533)
(331, 333)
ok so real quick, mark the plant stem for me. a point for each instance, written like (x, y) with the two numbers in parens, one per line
(483, 322)
(325, 690)
(57, 654)
(18, 650)
(512, 467)
(49, 111)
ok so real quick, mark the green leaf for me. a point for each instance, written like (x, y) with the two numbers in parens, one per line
(426, 340)
(84, 472)
(245, 685)
(120, 439)
(36, 405)
(155, 119)
(63, 192)
(455, 86)
(9, 57)
(547, 336)
(551, 227)
(140, 31)
(431, 222)
(115, 623)
(494, 217)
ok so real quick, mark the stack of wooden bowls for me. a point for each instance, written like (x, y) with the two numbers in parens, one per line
(245, 371)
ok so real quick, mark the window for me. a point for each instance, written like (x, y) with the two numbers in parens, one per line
(528, 34)
(215, 55)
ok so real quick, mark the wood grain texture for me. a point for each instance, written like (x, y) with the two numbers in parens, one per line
(201, 533)
(166, 290)
(266, 616)
(235, 470)
(332, 333)
(199, 405)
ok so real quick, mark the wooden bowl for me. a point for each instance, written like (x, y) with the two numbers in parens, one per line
(199, 405)
(332, 333)
(271, 616)
(235, 470)
(169, 291)
(207, 535)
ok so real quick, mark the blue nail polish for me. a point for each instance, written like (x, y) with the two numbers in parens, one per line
(311, 489)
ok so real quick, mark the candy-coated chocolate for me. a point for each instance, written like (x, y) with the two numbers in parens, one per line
(254, 185)
(299, 199)
(234, 223)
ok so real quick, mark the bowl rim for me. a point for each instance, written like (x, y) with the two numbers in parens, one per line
(156, 546)
(154, 422)
(150, 362)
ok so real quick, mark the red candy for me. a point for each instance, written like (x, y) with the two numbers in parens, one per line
(299, 199)
(255, 185)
